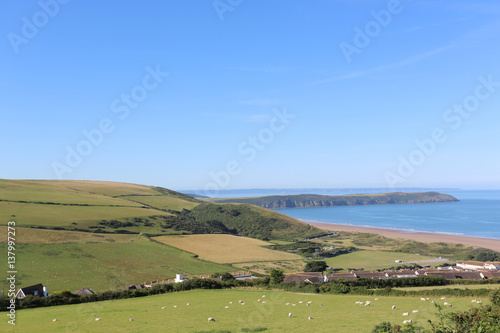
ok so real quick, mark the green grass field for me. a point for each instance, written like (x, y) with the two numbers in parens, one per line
(373, 259)
(110, 264)
(338, 313)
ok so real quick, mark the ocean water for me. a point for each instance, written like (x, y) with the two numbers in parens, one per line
(476, 215)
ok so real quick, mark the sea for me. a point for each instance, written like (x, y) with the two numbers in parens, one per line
(476, 215)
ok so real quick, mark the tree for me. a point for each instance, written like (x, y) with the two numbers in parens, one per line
(315, 266)
(277, 276)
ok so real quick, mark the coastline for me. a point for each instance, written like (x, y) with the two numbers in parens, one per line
(488, 243)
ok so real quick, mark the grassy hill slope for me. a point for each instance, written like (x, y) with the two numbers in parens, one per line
(130, 208)
(315, 200)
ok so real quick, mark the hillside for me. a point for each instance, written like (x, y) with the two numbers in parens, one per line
(314, 200)
(107, 207)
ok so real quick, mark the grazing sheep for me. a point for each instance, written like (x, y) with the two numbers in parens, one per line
(175, 306)
(309, 302)
(415, 311)
(263, 302)
(55, 319)
(443, 297)
(263, 296)
(406, 314)
(163, 307)
(309, 317)
(240, 301)
(243, 303)
(187, 304)
(301, 302)
(368, 303)
(226, 307)
(290, 315)
(422, 299)
(474, 301)
(479, 302)
(230, 302)
(321, 305)
(427, 298)
(407, 321)
(258, 300)
(445, 303)
(433, 301)
(450, 305)
(394, 307)
(287, 304)
(211, 319)
(130, 319)
(293, 304)
(97, 319)
(376, 299)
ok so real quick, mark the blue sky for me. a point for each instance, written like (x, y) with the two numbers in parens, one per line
(259, 94)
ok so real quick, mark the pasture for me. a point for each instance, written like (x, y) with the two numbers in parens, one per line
(375, 259)
(338, 313)
(226, 249)
(113, 263)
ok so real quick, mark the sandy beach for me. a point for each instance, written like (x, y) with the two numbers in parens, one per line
(493, 244)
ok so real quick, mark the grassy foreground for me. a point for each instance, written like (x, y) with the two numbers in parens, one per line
(339, 313)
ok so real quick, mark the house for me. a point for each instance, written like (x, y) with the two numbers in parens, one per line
(492, 266)
(84, 291)
(133, 287)
(180, 278)
(38, 290)
(473, 265)
(311, 277)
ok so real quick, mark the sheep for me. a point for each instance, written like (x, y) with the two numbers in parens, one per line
(263, 302)
(450, 305)
(445, 303)
(97, 319)
(290, 315)
(243, 303)
(309, 302)
(226, 307)
(422, 299)
(394, 307)
(474, 301)
(300, 302)
(130, 319)
(368, 303)
(406, 314)
(310, 318)
(321, 305)
(211, 319)
(263, 296)
(258, 300)
(407, 321)
(293, 304)
(287, 303)
(479, 301)
(415, 311)
(443, 297)
(55, 319)
(240, 301)
(175, 306)
(187, 304)
(230, 302)
(163, 307)
(376, 299)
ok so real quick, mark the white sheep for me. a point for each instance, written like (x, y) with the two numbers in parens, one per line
(55, 319)
(290, 315)
(474, 301)
(394, 307)
(230, 302)
(443, 297)
(188, 304)
(97, 319)
(406, 314)
(211, 319)
(479, 301)
(376, 299)
(175, 306)
(309, 302)
(263, 296)
(130, 319)
(415, 311)
(258, 300)
(301, 302)
(163, 307)
(263, 302)
(243, 303)
(368, 303)
(422, 299)
(321, 305)
(445, 303)
(287, 303)
(407, 321)
(226, 307)
(309, 317)
(293, 304)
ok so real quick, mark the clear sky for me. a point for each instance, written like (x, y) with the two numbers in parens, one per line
(252, 94)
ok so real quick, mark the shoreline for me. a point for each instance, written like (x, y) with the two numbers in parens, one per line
(488, 243)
